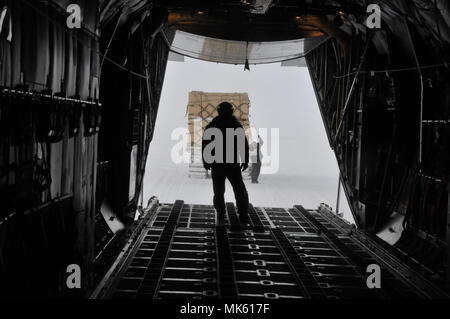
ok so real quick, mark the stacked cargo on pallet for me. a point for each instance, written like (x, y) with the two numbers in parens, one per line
(201, 109)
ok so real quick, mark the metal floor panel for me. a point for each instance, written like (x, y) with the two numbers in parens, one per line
(280, 253)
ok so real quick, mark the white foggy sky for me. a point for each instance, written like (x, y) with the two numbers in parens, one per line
(280, 97)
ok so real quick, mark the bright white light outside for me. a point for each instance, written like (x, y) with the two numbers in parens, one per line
(280, 97)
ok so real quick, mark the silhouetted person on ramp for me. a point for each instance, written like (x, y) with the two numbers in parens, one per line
(225, 151)
(256, 160)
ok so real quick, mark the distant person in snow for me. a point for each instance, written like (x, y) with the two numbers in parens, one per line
(256, 159)
(225, 151)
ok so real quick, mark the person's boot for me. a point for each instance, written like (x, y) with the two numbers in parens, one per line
(220, 218)
(244, 218)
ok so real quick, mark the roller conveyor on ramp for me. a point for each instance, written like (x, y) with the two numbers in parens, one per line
(178, 251)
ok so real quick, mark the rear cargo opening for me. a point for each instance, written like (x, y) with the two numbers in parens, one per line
(298, 163)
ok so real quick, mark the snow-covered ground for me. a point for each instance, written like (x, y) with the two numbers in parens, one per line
(276, 190)
(281, 98)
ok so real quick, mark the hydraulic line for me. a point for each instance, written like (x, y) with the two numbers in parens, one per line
(352, 88)
(419, 70)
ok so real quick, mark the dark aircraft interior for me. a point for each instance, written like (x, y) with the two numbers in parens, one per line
(80, 86)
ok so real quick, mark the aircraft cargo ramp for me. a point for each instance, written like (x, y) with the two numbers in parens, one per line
(178, 251)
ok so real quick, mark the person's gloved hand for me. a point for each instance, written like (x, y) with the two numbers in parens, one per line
(244, 166)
